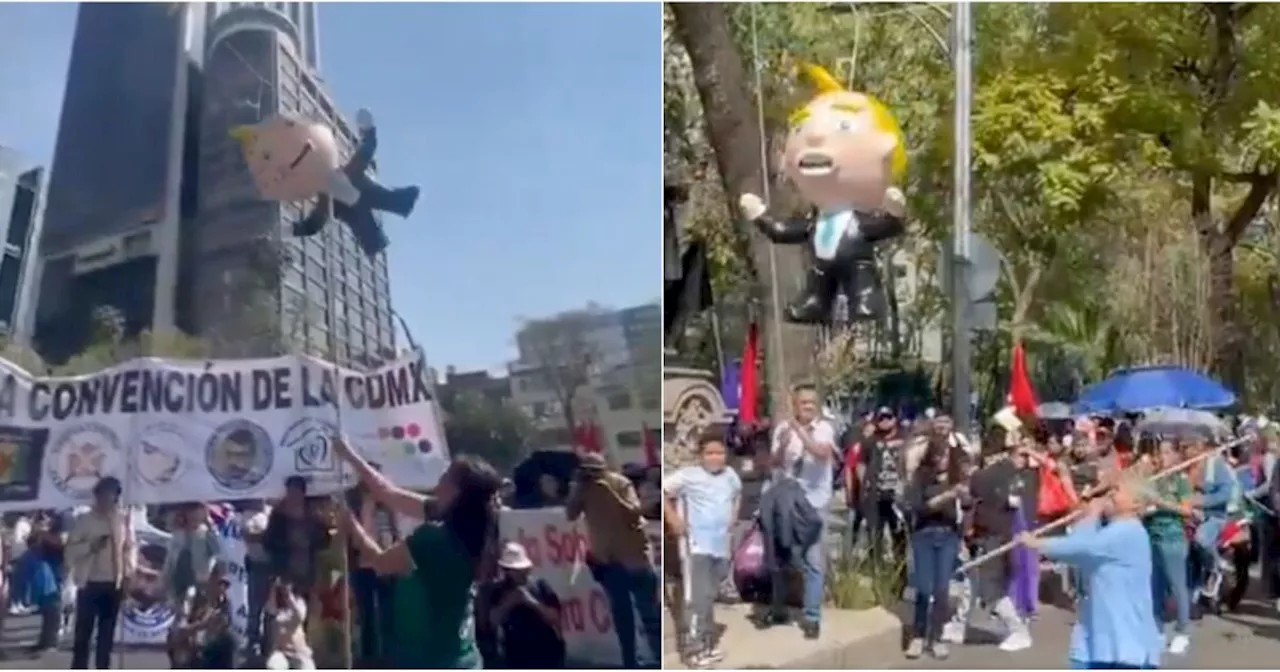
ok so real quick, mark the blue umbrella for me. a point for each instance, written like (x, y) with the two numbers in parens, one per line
(1144, 387)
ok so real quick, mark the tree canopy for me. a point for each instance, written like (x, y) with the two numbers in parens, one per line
(1125, 162)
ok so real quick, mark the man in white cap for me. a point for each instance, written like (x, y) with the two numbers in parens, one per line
(524, 612)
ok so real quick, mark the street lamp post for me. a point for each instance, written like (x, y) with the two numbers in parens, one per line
(961, 355)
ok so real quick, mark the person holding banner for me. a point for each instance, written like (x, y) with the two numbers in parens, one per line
(373, 593)
(101, 554)
(193, 550)
(294, 538)
(440, 563)
(257, 569)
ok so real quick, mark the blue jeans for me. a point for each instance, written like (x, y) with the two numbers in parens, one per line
(813, 566)
(933, 551)
(1169, 578)
(1207, 538)
(631, 592)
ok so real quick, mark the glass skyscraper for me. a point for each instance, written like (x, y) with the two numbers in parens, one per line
(150, 209)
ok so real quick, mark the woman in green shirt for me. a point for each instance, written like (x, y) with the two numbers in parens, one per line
(438, 565)
(1166, 523)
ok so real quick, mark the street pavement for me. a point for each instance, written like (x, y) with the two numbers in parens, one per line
(1248, 639)
(20, 633)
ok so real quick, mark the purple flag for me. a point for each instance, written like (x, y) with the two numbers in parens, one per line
(1023, 584)
(731, 386)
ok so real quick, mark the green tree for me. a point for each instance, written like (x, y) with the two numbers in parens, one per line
(563, 356)
(477, 425)
(1198, 92)
(1124, 158)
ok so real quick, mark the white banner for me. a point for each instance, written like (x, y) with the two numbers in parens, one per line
(557, 548)
(145, 618)
(181, 431)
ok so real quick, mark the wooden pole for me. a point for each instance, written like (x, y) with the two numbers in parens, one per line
(1075, 515)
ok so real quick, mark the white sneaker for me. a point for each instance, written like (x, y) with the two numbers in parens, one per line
(1278, 604)
(1019, 640)
(953, 633)
(1179, 644)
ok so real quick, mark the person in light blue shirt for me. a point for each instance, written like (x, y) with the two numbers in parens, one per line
(1116, 626)
(701, 504)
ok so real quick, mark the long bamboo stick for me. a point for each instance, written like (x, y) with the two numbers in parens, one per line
(1075, 515)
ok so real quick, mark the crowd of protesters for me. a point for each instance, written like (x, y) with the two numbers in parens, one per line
(432, 584)
(1140, 558)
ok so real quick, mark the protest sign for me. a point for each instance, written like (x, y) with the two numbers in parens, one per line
(557, 548)
(179, 431)
(145, 614)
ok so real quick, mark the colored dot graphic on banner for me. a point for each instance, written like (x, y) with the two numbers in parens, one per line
(409, 435)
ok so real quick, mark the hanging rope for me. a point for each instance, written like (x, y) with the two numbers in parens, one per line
(857, 43)
(764, 173)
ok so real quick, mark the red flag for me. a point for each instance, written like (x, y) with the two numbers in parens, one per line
(747, 400)
(650, 446)
(1021, 395)
(587, 437)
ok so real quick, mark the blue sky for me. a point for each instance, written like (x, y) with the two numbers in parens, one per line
(534, 131)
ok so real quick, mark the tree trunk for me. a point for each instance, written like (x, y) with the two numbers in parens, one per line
(732, 127)
(1226, 334)
(1024, 295)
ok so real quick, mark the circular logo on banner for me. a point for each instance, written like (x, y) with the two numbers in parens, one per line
(160, 452)
(311, 442)
(83, 455)
(149, 625)
(239, 455)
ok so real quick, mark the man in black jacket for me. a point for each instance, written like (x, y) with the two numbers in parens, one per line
(882, 474)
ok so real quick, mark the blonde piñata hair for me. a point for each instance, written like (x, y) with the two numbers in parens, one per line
(828, 87)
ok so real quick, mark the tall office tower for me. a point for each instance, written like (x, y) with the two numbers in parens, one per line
(150, 209)
(20, 198)
(301, 14)
(117, 193)
(331, 298)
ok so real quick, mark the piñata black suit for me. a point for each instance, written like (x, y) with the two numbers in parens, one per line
(843, 260)
(364, 196)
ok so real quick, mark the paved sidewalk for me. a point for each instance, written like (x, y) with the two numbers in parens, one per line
(1249, 639)
(784, 647)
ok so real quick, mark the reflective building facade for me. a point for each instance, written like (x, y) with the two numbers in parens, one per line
(112, 213)
(332, 299)
(151, 209)
(20, 200)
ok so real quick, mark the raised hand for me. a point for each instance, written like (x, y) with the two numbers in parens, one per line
(752, 206)
(895, 203)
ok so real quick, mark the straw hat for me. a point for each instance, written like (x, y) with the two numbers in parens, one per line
(1007, 418)
(514, 557)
